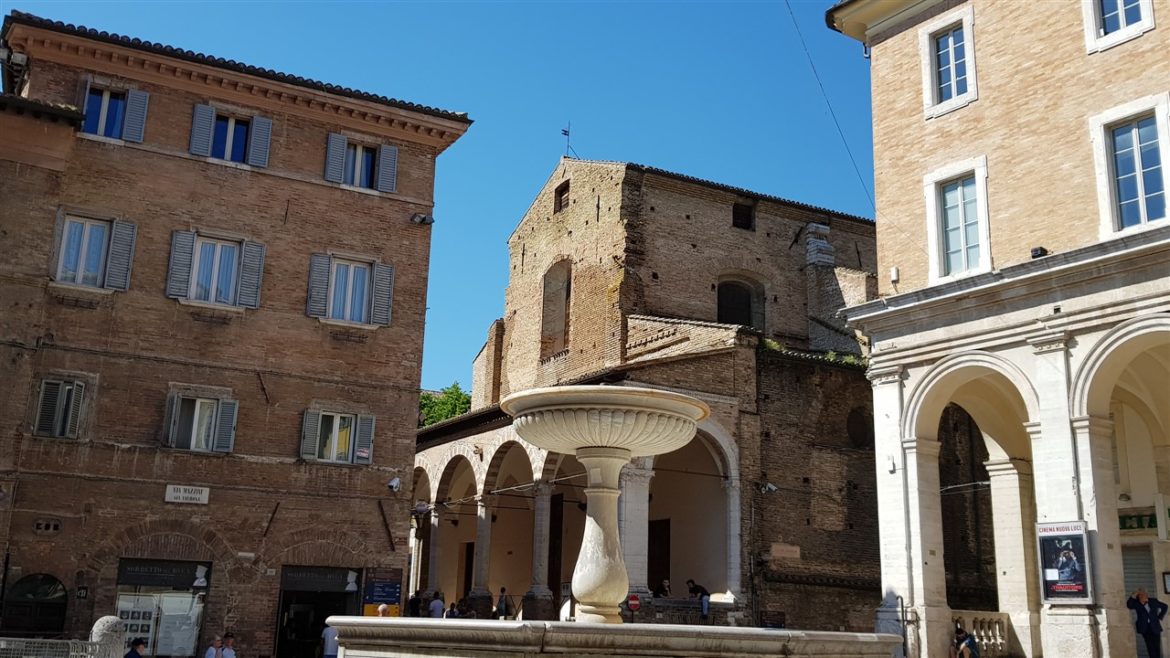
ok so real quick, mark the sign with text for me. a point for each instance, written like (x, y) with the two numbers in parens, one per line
(180, 493)
(1064, 563)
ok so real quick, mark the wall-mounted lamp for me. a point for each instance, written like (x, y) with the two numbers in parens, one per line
(419, 218)
(1039, 252)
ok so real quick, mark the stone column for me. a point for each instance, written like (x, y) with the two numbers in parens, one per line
(480, 596)
(894, 525)
(928, 577)
(1015, 552)
(412, 579)
(634, 526)
(538, 600)
(433, 555)
(734, 545)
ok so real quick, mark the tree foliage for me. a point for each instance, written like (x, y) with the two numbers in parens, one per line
(447, 403)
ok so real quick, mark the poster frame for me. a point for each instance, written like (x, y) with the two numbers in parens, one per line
(1051, 536)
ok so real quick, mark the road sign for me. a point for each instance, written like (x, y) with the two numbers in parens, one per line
(633, 604)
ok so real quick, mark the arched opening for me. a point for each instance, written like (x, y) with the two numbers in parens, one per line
(455, 512)
(509, 481)
(741, 301)
(554, 318)
(34, 606)
(965, 489)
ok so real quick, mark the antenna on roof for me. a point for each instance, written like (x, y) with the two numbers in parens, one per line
(568, 146)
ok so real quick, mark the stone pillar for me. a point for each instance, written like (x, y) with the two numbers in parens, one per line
(734, 545)
(538, 600)
(415, 543)
(928, 577)
(433, 555)
(480, 596)
(1015, 552)
(634, 524)
(894, 522)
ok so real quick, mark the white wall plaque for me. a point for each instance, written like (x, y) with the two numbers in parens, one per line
(179, 493)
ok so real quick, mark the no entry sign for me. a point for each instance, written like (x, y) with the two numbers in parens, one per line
(633, 603)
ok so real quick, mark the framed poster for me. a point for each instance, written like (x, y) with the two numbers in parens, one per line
(1065, 565)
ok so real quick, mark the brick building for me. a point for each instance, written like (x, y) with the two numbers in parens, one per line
(626, 274)
(211, 337)
(1024, 259)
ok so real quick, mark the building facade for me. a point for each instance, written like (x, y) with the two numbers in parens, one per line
(629, 275)
(1024, 277)
(211, 338)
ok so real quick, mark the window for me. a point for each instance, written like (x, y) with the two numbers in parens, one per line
(361, 165)
(230, 139)
(1129, 143)
(561, 198)
(214, 270)
(556, 311)
(350, 290)
(59, 409)
(230, 136)
(95, 253)
(947, 52)
(1112, 22)
(956, 212)
(104, 111)
(201, 419)
(337, 437)
(743, 215)
(740, 302)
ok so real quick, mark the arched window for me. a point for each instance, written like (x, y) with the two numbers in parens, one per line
(34, 606)
(741, 302)
(554, 325)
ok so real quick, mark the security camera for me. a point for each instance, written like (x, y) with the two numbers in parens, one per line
(419, 218)
(395, 484)
(768, 488)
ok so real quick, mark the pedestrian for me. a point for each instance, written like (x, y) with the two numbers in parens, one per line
(383, 610)
(437, 606)
(1150, 612)
(663, 590)
(452, 613)
(216, 648)
(964, 645)
(329, 642)
(414, 605)
(229, 645)
(501, 605)
(701, 593)
(137, 646)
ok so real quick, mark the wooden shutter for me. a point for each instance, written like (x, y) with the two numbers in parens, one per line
(202, 128)
(47, 411)
(171, 420)
(335, 158)
(58, 243)
(225, 426)
(122, 238)
(134, 125)
(387, 168)
(179, 271)
(259, 137)
(74, 423)
(310, 428)
(83, 84)
(251, 272)
(318, 304)
(363, 449)
(383, 294)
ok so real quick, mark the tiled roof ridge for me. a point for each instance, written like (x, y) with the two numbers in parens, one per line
(687, 321)
(25, 18)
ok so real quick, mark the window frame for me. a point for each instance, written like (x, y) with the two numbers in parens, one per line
(103, 113)
(749, 209)
(1100, 133)
(963, 17)
(86, 223)
(1096, 42)
(214, 423)
(561, 199)
(229, 138)
(349, 459)
(62, 413)
(353, 172)
(932, 185)
(350, 262)
(197, 259)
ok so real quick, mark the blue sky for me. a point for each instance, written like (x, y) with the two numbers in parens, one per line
(719, 90)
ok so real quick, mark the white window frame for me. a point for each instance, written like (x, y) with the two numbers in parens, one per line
(196, 260)
(931, 189)
(195, 421)
(86, 223)
(358, 150)
(336, 428)
(1099, 129)
(349, 290)
(230, 137)
(1095, 41)
(101, 127)
(965, 17)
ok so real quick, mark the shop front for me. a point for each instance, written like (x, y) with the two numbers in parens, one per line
(162, 601)
(308, 596)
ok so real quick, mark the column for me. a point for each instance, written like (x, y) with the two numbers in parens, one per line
(433, 555)
(928, 573)
(538, 600)
(415, 544)
(893, 526)
(480, 596)
(1015, 552)
(734, 539)
(634, 526)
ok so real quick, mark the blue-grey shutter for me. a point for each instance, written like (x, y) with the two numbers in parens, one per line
(225, 426)
(363, 449)
(387, 168)
(383, 294)
(58, 239)
(74, 423)
(318, 285)
(310, 428)
(202, 127)
(171, 420)
(47, 413)
(122, 238)
(259, 137)
(335, 158)
(179, 271)
(251, 271)
(134, 125)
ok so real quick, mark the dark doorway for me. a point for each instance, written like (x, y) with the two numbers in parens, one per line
(308, 596)
(35, 607)
(556, 524)
(658, 553)
(465, 578)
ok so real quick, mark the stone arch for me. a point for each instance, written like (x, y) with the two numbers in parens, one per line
(741, 297)
(442, 490)
(317, 546)
(492, 474)
(176, 538)
(1097, 376)
(421, 487)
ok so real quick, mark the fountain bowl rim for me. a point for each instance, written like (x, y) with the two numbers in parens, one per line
(595, 397)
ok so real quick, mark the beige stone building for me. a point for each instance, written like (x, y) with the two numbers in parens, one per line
(629, 275)
(1024, 275)
(212, 297)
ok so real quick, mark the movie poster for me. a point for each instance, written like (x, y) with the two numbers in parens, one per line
(1065, 576)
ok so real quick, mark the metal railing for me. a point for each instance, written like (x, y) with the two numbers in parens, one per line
(990, 630)
(35, 648)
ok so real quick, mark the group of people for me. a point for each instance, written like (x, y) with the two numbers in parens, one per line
(222, 646)
(437, 609)
(695, 590)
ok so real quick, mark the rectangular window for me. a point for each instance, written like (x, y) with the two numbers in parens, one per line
(59, 410)
(84, 246)
(360, 164)
(229, 140)
(195, 427)
(1112, 22)
(104, 113)
(947, 50)
(960, 225)
(216, 271)
(335, 438)
(1119, 14)
(561, 197)
(349, 298)
(1138, 183)
(950, 65)
(743, 216)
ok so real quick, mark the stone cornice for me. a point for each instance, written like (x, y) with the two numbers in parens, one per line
(363, 115)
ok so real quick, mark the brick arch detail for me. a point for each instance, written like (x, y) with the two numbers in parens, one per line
(162, 537)
(316, 546)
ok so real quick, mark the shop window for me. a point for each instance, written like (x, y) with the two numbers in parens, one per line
(162, 602)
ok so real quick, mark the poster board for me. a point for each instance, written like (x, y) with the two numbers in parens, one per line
(1065, 565)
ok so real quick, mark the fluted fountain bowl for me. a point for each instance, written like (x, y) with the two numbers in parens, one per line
(644, 421)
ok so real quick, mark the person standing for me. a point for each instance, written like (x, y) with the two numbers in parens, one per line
(216, 648)
(452, 613)
(502, 605)
(414, 605)
(137, 646)
(383, 610)
(701, 593)
(229, 645)
(329, 642)
(437, 606)
(1150, 612)
(964, 646)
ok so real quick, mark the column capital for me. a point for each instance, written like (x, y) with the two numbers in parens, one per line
(1092, 425)
(997, 468)
(928, 447)
(1048, 341)
(543, 488)
(730, 484)
(882, 375)
(636, 476)
(487, 501)
(1034, 429)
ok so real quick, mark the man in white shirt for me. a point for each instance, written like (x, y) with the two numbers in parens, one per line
(329, 639)
(216, 648)
(437, 607)
(229, 645)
